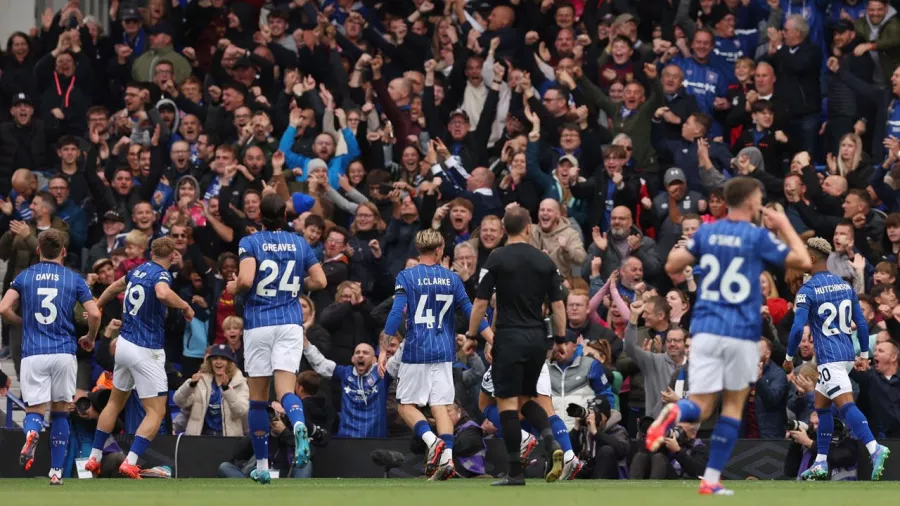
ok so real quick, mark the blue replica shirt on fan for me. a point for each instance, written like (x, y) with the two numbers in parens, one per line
(731, 254)
(893, 122)
(48, 293)
(143, 314)
(363, 402)
(282, 259)
(726, 51)
(829, 305)
(703, 80)
(430, 294)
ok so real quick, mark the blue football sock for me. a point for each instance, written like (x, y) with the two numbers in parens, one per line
(59, 438)
(33, 422)
(139, 445)
(722, 442)
(259, 430)
(826, 430)
(294, 408)
(690, 411)
(857, 422)
(100, 438)
(560, 433)
(421, 428)
(448, 441)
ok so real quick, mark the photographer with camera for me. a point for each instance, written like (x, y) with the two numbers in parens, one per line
(598, 439)
(84, 424)
(576, 378)
(281, 450)
(681, 455)
(843, 455)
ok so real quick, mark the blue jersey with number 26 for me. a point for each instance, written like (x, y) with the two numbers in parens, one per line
(282, 259)
(731, 255)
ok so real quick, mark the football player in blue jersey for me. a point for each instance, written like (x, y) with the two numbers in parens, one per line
(273, 269)
(140, 357)
(830, 306)
(430, 294)
(48, 293)
(726, 325)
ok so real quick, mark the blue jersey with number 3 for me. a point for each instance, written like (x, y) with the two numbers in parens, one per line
(430, 294)
(48, 293)
(143, 314)
(282, 259)
(731, 256)
(829, 305)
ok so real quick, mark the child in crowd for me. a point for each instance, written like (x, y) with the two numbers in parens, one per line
(135, 252)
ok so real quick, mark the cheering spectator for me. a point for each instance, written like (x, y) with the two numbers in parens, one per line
(217, 397)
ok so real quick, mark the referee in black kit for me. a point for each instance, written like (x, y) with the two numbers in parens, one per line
(524, 277)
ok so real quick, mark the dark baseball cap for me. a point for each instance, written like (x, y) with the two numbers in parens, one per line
(22, 98)
(130, 14)
(113, 216)
(160, 28)
(844, 25)
(221, 350)
(460, 112)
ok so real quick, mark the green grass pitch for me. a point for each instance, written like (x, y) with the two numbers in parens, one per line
(395, 492)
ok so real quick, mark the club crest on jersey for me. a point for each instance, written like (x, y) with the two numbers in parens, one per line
(712, 77)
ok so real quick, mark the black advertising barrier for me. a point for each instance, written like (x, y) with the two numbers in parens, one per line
(200, 456)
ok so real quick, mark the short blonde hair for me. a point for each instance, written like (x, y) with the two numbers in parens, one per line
(428, 240)
(233, 322)
(163, 247)
(137, 238)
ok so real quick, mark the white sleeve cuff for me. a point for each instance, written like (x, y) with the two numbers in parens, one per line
(864, 355)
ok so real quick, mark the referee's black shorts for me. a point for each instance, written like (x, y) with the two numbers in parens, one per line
(519, 355)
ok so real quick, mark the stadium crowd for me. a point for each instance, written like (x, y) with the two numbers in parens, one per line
(614, 123)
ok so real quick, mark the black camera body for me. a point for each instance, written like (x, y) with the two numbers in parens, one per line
(581, 412)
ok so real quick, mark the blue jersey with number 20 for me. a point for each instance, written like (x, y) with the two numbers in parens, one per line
(830, 307)
(731, 255)
(282, 259)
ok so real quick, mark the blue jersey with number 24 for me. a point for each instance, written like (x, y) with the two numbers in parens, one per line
(731, 255)
(282, 259)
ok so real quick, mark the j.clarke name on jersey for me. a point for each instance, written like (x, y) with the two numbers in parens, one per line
(46, 276)
(433, 282)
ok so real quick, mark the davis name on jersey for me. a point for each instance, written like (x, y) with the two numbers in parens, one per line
(48, 294)
(731, 256)
(282, 259)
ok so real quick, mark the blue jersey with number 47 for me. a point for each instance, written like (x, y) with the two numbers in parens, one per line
(430, 294)
(48, 293)
(282, 259)
(829, 305)
(143, 314)
(731, 255)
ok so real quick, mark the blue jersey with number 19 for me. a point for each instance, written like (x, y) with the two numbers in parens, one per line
(48, 293)
(282, 259)
(829, 305)
(731, 255)
(430, 294)
(143, 314)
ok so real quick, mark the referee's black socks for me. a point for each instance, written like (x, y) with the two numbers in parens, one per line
(537, 417)
(512, 438)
